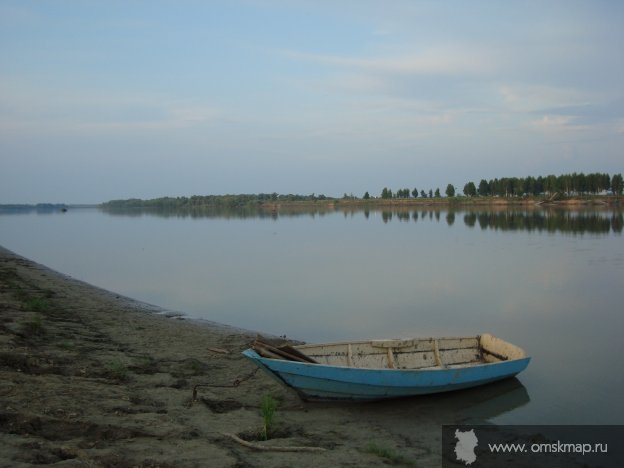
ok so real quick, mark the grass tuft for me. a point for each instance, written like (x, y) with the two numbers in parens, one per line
(36, 304)
(117, 370)
(268, 409)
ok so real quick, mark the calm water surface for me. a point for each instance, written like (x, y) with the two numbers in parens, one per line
(549, 281)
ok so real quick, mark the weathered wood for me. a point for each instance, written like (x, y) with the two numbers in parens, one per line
(275, 448)
(457, 343)
(412, 353)
(457, 356)
(370, 361)
(392, 343)
(264, 352)
(349, 355)
(498, 347)
(279, 353)
(390, 359)
(295, 352)
(415, 360)
(491, 356)
(436, 352)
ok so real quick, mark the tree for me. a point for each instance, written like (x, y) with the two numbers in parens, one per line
(437, 193)
(518, 187)
(470, 190)
(423, 194)
(551, 184)
(616, 184)
(539, 186)
(430, 193)
(484, 188)
(386, 193)
(415, 193)
(450, 191)
(366, 196)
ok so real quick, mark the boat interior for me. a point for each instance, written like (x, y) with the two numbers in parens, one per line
(414, 353)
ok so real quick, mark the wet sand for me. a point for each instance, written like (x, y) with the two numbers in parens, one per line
(89, 378)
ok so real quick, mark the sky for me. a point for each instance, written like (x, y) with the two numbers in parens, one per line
(104, 100)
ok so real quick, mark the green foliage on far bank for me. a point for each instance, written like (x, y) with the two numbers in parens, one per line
(576, 184)
(213, 201)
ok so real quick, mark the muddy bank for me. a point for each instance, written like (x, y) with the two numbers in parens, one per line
(88, 378)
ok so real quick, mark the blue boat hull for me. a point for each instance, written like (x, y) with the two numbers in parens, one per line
(324, 382)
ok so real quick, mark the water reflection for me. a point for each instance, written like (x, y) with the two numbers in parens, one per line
(475, 406)
(536, 219)
(548, 221)
(224, 212)
(410, 418)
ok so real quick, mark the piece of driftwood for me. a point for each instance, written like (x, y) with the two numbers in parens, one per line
(217, 350)
(264, 448)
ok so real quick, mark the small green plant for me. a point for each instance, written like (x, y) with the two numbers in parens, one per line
(389, 454)
(196, 367)
(67, 345)
(117, 370)
(268, 409)
(36, 304)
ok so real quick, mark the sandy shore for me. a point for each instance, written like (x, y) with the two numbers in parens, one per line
(88, 378)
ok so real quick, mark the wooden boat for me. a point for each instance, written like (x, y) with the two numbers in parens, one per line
(380, 369)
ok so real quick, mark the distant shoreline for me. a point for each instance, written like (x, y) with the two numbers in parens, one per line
(225, 201)
(598, 200)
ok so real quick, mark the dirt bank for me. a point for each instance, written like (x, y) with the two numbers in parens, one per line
(88, 378)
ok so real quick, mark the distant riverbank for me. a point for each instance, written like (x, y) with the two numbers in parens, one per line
(460, 202)
(293, 204)
(273, 203)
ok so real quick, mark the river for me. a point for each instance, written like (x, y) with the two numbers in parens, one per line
(547, 280)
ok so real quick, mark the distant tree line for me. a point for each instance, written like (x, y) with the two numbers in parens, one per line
(568, 184)
(216, 201)
(406, 193)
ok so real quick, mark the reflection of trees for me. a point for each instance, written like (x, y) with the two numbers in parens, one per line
(212, 212)
(617, 222)
(403, 216)
(550, 221)
(450, 218)
(470, 219)
(566, 221)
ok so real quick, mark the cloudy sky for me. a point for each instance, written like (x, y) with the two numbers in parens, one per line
(104, 99)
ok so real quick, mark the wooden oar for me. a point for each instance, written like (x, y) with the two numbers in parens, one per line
(283, 352)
